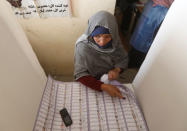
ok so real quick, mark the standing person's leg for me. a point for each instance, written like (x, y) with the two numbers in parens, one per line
(144, 32)
(135, 58)
(140, 38)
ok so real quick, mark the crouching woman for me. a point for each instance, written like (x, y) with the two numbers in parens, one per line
(99, 51)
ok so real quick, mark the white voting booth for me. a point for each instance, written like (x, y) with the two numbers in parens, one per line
(160, 85)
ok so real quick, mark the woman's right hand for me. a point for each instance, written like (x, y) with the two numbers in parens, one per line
(111, 90)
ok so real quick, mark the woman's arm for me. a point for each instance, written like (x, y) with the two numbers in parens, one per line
(91, 82)
(95, 84)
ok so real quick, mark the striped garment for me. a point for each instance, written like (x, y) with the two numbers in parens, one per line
(166, 3)
(90, 110)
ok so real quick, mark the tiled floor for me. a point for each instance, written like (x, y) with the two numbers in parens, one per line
(128, 75)
(68, 78)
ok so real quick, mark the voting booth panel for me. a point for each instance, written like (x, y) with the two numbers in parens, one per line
(22, 79)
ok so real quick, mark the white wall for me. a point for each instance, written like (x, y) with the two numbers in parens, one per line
(161, 83)
(53, 39)
(22, 79)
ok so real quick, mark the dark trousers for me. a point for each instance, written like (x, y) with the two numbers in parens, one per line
(136, 58)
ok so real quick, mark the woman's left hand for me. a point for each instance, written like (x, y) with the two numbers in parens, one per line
(113, 74)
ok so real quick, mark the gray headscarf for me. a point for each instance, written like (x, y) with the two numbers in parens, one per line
(95, 61)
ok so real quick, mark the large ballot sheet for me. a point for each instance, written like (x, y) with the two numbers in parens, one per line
(90, 110)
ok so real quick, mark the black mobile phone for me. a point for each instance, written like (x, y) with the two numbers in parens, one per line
(66, 117)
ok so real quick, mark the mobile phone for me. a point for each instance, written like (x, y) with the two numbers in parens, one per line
(66, 117)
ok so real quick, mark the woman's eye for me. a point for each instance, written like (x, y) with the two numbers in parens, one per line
(97, 36)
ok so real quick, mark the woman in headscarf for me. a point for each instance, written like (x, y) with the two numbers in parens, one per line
(99, 51)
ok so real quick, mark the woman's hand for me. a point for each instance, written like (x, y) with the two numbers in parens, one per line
(113, 74)
(111, 90)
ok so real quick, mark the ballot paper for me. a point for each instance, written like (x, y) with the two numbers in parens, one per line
(90, 110)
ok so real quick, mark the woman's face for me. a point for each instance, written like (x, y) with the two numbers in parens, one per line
(102, 39)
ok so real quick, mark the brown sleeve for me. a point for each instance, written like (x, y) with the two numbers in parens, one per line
(91, 82)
